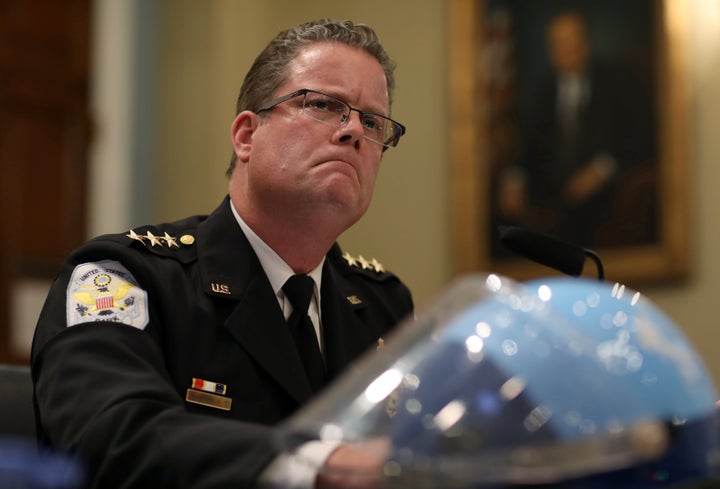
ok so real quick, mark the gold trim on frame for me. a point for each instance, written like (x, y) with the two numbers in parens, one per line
(669, 257)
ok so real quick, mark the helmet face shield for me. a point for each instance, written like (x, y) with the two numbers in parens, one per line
(501, 384)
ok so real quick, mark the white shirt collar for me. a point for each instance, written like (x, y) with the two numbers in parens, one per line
(276, 269)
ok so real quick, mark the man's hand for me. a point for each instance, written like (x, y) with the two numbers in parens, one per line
(589, 180)
(356, 466)
(583, 185)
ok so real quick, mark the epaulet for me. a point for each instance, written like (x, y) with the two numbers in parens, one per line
(371, 267)
(159, 241)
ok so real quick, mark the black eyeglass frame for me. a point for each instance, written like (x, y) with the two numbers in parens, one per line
(392, 142)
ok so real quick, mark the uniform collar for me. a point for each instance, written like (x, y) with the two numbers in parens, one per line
(230, 269)
(276, 269)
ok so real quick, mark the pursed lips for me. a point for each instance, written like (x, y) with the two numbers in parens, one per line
(337, 159)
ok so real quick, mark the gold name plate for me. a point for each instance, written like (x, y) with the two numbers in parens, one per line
(208, 399)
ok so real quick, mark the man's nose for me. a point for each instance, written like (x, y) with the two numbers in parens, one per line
(351, 128)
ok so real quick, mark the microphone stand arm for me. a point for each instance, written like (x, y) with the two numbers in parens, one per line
(598, 263)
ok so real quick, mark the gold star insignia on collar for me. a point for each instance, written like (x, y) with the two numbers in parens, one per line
(362, 262)
(133, 235)
(170, 241)
(349, 259)
(154, 240)
(161, 241)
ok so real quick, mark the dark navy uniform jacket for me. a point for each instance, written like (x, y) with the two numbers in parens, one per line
(133, 318)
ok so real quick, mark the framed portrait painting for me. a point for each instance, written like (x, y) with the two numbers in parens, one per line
(570, 120)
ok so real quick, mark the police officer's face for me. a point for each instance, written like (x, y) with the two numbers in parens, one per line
(294, 162)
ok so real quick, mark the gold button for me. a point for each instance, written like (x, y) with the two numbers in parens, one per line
(187, 239)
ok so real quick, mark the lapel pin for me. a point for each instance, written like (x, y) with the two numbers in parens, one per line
(208, 394)
(220, 288)
(207, 386)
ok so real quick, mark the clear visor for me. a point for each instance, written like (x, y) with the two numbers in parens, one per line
(492, 385)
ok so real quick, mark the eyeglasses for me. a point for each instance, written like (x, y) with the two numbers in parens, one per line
(335, 112)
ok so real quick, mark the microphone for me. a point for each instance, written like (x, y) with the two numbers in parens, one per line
(547, 250)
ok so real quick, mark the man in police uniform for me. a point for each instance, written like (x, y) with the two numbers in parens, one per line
(163, 355)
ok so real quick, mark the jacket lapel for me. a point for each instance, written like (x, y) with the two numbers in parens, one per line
(266, 338)
(344, 334)
(230, 270)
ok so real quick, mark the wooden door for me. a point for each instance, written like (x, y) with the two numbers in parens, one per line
(44, 132)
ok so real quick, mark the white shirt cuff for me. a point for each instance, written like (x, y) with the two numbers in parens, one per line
(299, 469)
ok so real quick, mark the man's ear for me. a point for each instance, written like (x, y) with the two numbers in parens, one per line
(241, 133)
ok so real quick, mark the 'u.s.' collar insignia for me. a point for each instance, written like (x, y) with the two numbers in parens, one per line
(380, 344)
(220, 288)
(354, 300)
(362, 262)
(207, 393)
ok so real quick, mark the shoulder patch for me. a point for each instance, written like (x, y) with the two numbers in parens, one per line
(105, 291)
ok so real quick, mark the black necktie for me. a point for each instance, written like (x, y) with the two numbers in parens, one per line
(299, 290)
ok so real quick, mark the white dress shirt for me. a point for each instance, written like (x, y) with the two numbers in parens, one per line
(296, 470)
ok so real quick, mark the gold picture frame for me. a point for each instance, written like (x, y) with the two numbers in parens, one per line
(666, 256)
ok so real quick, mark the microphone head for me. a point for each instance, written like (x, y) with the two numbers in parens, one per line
(542, 248)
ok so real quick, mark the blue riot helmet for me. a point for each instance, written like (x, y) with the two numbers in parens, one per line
(561, 383)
